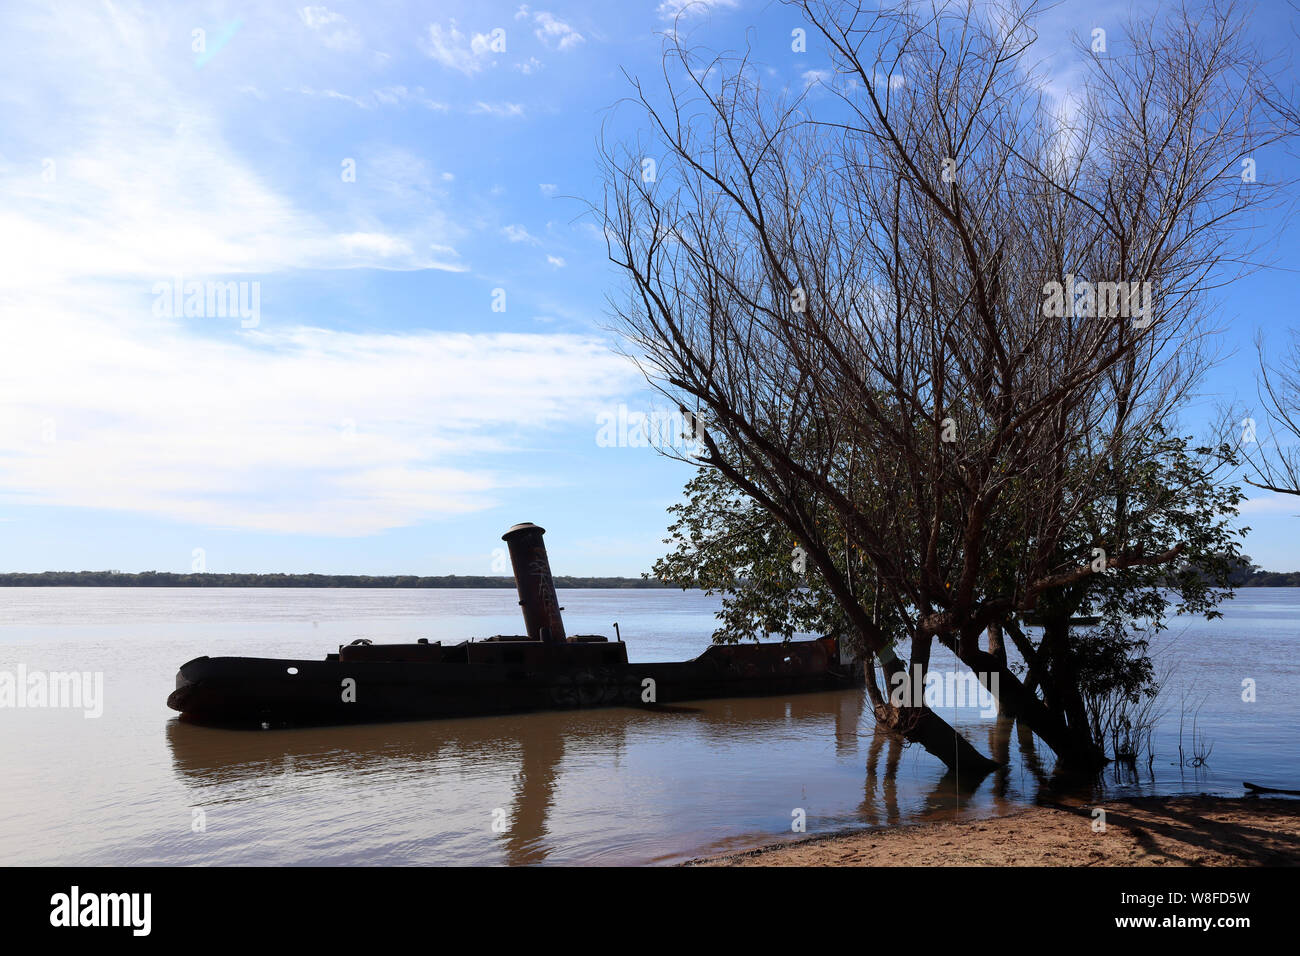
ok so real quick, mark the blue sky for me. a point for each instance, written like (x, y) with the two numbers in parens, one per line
(375, 413)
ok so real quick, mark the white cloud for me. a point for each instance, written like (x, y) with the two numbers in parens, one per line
(516, 233)
(555, 33)
(151, 202)
(301, 431)
(156, 190)
(670, 9)
(335, 95)
(334, 29)
(317, 17)
(528, 67)
(498, 109)
(547, 189)
(376, 243)
(557, 261)
(398, 95)
(448, 47)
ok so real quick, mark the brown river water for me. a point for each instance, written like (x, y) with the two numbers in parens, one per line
(135, 786)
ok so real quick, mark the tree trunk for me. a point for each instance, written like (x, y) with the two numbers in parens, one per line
(1065, 688)
(1046, 723)
(919, 724)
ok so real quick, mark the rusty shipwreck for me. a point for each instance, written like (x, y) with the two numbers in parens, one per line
(542, 670)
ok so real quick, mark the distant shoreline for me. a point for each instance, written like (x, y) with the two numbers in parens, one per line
(166, 579)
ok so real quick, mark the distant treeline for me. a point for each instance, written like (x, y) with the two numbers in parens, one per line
(1247, 574)
(166, 579)
(1272, 579)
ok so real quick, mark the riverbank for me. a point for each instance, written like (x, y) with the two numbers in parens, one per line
(1148, 831)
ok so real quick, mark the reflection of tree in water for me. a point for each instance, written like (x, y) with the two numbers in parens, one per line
(1029, 758)
(952, 791)
(888, 785)
(1000, 750)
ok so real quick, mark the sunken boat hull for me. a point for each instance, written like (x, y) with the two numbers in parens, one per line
(418, 682)
(543, 670)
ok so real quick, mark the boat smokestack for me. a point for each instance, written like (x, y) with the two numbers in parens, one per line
(537, 596)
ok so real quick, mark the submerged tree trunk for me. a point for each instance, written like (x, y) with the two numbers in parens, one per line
(1047, 722)
(1086, 752)
(923, 726)
(919, 724)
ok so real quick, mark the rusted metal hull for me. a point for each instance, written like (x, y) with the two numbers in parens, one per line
(415, 682)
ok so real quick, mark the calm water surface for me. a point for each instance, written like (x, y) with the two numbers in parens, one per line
(604, 786)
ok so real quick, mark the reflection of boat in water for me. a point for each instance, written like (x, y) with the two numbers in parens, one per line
(204, 755)
(543, 670)
(461, 769)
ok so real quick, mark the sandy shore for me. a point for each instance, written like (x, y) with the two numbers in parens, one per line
(1180, 831)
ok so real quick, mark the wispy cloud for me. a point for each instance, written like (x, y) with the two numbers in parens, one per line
(553, 32)
(153, 202)
(671, 9)
(158, 189)
(498, 109)
(123, 411)
(448, 46)
(333, 28)
(386, 96)
(517, 233)
(399, 95)
(335, 95)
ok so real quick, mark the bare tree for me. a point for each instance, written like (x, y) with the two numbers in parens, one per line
(1275, 459)
(944, 307)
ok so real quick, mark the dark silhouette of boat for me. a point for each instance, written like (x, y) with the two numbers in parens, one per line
(542, 670)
